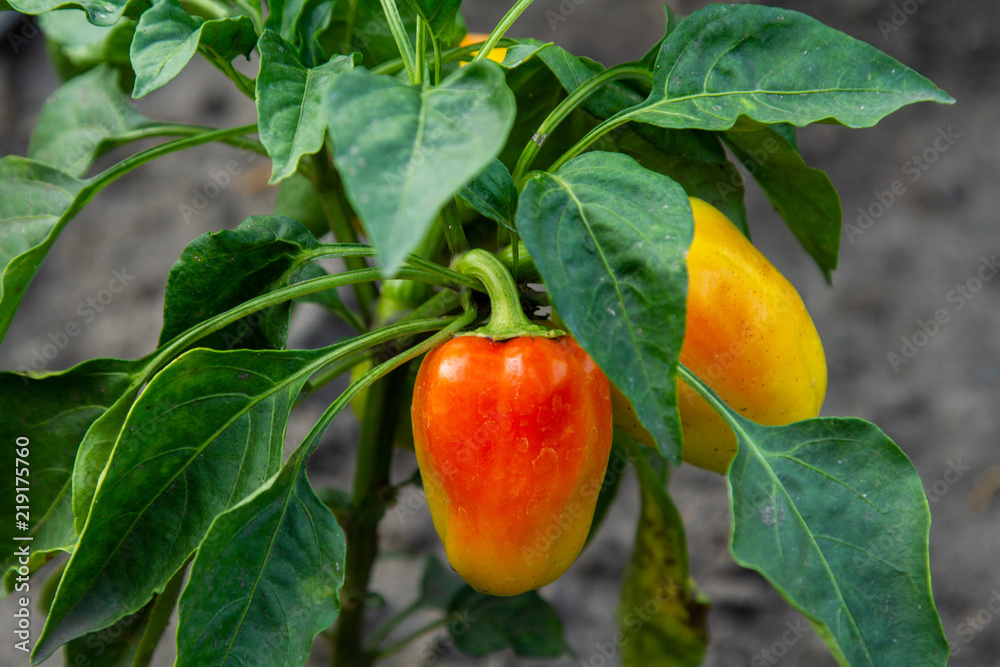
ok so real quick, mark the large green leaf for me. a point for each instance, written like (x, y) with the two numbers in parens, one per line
(221, 270)
(205, 433)
(693, 158)
(483, 624)
(167, 37)
(277, 560)
(834, 515)
(663, 618)
(51, 411)
(36, 201)
(81, 120)
(290, 103)
(804, 196)
(733, 64)
(610, 239)
(404, 151)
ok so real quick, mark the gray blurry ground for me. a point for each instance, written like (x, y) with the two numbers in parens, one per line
(941, 407)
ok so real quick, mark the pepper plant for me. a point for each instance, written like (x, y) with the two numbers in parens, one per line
(162, 483)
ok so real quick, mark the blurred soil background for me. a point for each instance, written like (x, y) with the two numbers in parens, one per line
(902, 271)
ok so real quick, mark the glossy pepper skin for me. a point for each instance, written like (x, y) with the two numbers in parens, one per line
(513, 440)
(748, 336)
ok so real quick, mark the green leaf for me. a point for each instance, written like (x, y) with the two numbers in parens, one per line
(36, 202)
(167, 37)
(482, 624)
(94, 452)
(219, 271)
(662, 617)
(300, 23)
(131, 641)
(51, 411)
(834, 515)
(804, 196)
(518, 54)
(731, 64)
(290, 103)
(693, 158)
(277, 560)
(610, 239)
(404, 151)
(115, 646)
(99, 12)
(493, 194)
(206, 432)
(81, 121)
(439, 585)
(439, 14)
(76, 46)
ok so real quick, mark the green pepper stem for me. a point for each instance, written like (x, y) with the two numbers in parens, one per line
(507, 320)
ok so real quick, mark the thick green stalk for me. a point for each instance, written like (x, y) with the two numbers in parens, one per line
(507, 320)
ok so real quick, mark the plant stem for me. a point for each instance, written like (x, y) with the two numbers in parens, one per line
(498, 32)
(181, 130)
(338, 215)
(420, 52)
(611, 123)
(507, 320)
(568, 105)
(400, 35)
